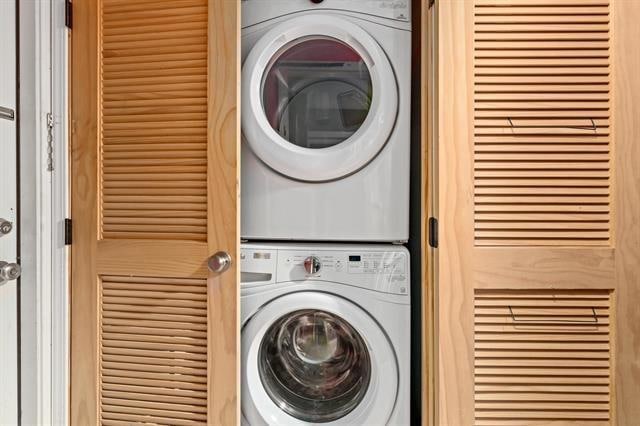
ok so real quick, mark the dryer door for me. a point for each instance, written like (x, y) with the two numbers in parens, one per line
(312, 357)
(319, 98)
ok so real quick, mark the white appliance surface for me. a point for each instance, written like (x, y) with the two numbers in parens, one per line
(365, 287)
(397, 12)
(326, 127)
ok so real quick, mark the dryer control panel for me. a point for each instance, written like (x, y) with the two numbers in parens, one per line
(256, 11)
(379, 268)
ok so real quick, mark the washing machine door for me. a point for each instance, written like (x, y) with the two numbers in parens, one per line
(316, 358)
(319, 98)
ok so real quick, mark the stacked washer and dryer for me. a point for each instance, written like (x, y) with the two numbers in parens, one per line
(325, 286)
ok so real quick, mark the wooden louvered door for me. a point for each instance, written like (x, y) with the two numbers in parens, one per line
(155, 131)
(538, 166)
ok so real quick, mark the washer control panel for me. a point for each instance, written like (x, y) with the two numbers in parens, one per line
(379, 268)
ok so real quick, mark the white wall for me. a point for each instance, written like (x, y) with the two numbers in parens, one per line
(28, 219)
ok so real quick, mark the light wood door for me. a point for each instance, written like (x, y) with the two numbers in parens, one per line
(9, 299)
(537, 196)
(155, 137)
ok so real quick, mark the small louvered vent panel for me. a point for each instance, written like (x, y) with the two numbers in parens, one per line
(542, 357)
(153, 351)
(541, 129)
(154, 119)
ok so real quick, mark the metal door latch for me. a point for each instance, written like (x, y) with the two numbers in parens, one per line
(5, 226)
(9, 271)
(7, 113)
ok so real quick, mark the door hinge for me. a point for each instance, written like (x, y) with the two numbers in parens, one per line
(68, 232)
(433, 232)
(49, 142)
(68, 14)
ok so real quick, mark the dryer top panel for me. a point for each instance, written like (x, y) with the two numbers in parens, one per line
(257, 11)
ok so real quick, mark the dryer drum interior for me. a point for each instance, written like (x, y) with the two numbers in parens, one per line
(316, 92)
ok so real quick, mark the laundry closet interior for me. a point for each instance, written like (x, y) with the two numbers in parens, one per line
(325, 272)
(353, 212)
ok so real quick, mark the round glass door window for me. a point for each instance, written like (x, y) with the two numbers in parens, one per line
(316, 92)
(314, 365)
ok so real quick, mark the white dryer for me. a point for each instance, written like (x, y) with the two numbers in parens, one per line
(325, 335)
(325, 120)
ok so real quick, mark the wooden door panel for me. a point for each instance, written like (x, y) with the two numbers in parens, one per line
(155, 191)
(153, 159)
(542, 356)
(153, 340)
(543, 268)
(139, 257)
(539, 150)
(538, 208)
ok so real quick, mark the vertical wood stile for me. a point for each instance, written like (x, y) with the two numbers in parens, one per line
(224, 209)
(455, 213)
(428, 72)
(84, 373)
(626, 101)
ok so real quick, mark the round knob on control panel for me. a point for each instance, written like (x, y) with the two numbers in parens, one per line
(312, 265)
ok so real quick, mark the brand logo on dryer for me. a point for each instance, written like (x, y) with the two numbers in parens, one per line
(397, 4)
(400, 8)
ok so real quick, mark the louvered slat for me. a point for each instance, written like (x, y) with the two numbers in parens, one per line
(542, 125)
(153, 347)
(542, 357)
(154, 119)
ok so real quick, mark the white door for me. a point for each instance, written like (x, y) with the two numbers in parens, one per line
(8, 217)
(318, 99)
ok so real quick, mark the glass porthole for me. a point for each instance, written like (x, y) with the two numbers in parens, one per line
(316, 92)
(314, 365)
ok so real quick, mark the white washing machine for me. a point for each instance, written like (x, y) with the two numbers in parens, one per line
(325, 335)
(325, 120)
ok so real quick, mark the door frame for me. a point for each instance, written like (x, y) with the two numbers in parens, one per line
(59, 204)
(44, 196)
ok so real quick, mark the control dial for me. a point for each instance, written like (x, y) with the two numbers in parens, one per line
(312, 265)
